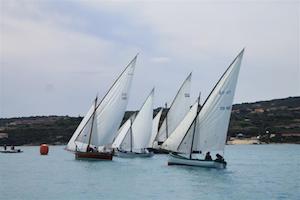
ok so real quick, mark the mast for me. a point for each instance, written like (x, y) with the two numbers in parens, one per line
(191, 150)
(94, 113)
(166, 106)
(131, 139)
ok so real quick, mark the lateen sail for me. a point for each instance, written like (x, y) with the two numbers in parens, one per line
(173, 142)
(122, 133)
(137, 135)
(178, 109)
(207, 129)
(142, 125)
(108, 113)
(82, 129)
(155, 124)
(213, 119)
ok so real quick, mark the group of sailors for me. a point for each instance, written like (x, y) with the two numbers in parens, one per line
(94, 149)
(11, 148)
(219, 158)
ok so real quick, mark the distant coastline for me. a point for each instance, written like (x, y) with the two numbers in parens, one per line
(274, 121)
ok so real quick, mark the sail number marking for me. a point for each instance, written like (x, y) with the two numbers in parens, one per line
(221, 92)
(124, 96)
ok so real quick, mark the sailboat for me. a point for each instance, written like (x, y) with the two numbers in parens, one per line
(178, 109)
(93, 137)
(204, 130)
(134, 135)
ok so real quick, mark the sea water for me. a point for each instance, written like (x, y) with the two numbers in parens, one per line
(257, 172)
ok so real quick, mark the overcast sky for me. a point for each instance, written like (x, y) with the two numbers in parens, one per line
(57, 55)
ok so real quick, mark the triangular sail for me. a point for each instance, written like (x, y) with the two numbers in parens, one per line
(122, 134)
(109, 112)
(213, 119)
(186, 143)
(83, 129)
(173, 142)
(207, 129)
(155, 124)
(178, 109)
(142, 125)
(127, 141)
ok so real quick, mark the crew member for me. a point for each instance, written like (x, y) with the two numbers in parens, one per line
(208, 156)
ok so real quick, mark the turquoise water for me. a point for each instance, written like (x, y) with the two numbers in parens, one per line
(253, 172)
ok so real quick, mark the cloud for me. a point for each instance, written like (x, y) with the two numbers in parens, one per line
(79, 47)
(39, 50)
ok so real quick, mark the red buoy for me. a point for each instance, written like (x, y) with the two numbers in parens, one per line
(44, 149)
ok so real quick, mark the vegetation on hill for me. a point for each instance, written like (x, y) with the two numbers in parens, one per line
(280, 118)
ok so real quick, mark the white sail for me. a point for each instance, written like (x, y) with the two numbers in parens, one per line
(142, 125)
(127, 141)
(122, 133)
(109, 112)
(173, 142)
(213, 119)
(155, 124)
(178, 109)
(206, 130)
(82, 129)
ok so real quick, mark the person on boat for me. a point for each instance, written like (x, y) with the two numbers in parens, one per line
(95, 149)
(219, 158)
(89, 149)
(4, 147)
(208, 156)
(12, 147)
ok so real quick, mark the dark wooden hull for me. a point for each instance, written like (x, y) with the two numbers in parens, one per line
(94, 155)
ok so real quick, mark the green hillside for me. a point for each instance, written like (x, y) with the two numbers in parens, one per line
(279, 116)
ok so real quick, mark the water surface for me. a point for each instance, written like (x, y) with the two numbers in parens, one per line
(253, 172)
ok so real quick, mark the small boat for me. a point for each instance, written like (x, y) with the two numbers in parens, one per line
(205, 129)
(11, 151)
(175, 159)
(93, 137)
(135, 134)
(175, 114)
